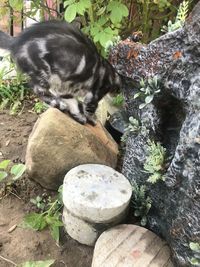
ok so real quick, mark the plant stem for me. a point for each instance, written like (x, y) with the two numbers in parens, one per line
(7, 260)
(145, 19)
(91, 14)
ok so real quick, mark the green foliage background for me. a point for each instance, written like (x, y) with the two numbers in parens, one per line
(103, 20)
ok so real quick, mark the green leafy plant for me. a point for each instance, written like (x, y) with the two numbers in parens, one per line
(140, 202)
(46, 263)
(15, 172)
(133, 127)
(38, 202)
(195, 247)
(110, 44)
(101, 21)
(8, 176)
(40, 107)
(149, 16)
(13, 87)
(182, 14)
(44, 8)
(118, 100)
(155, 162)
(50, 218)
(149, 88)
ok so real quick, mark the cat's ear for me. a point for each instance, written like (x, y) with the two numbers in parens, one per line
(77, 23)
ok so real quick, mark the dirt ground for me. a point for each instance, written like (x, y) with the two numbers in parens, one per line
(23, 245)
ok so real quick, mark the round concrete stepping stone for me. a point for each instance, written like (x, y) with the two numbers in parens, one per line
(131, 246)
(95, 198)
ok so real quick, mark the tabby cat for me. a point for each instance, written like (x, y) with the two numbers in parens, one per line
(63, 65)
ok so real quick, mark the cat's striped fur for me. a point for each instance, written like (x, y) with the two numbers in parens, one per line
(62, 64)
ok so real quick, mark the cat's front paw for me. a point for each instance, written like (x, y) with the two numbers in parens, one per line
(79, 118)
(91, 121)
(91, 118)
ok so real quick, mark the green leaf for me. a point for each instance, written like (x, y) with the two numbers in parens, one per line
(94, 30)
(101, 11)
(142, 83)
(53, 220)
(142, 105)
(143, 221)
(46, 263)
(148, 99)
(16, 4)
(106, 36)
(136, 95)
(3, 175)
(34, 221)
(82, 6)
(32, 200)
(68, 2)
(137, 213)
(38, 198)
(4, 164)
(117, 11)
(18, 170)
(60, 194)
(195, 262)
(55, 232)
(86, 3)
(102, 21)
(154, 178)
(70, 13)
(194, 246)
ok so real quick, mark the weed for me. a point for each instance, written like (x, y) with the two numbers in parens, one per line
(15, 172)
(149, 88)
(181, 16)
(133, 127)
(46, 263)
(39, 202)
(40, 107)
(118, 100)
(101, 21)
(12, 173)
(195, 247)
(140, 202)
(50, 218)
(12, 89)
(155, 162)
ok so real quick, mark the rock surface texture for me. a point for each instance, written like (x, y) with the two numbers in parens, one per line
(172, 118)
(95, 198)
(129, 245)
(58, 143)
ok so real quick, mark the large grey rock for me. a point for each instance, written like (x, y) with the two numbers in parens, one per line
(95, 198)
(173, 118)
(58, 143)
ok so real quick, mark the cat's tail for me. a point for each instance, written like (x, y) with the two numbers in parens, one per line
(6, 41)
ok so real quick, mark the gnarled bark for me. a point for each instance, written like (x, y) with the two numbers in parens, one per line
(173, 118)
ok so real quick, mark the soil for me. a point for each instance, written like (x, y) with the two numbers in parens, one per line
(21, 245)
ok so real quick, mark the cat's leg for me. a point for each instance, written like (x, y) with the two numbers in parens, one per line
(89, 106)
(74, 108)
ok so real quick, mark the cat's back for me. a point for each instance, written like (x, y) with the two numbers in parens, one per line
(58, 33)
